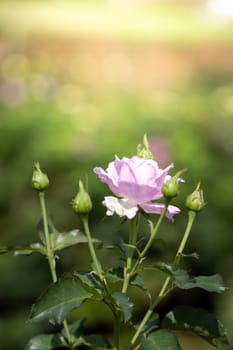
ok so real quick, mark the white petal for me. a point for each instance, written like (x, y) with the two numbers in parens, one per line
(122, 207)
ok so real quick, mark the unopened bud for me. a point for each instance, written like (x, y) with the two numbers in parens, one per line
(82, 202)
(195, 201)
(143, 151)
(40, 180)
(170, 188)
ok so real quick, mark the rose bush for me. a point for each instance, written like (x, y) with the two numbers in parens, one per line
(138, 183)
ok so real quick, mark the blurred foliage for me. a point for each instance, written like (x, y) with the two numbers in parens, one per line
(72, 104)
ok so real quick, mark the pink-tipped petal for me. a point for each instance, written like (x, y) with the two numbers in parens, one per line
(157, 208)
(109, 180)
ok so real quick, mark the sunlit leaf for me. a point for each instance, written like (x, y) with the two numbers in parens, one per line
(67, 239)
(124, 304)
(161, 340)
(199, 321)
(62, 240)
(25, 249)
(47, 342)
(59, 299)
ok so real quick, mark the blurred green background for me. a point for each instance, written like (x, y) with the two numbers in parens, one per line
(81, 81)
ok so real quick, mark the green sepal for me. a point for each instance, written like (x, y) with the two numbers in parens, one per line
(161, 340)
(124, 305)
(47, 342)
(59, 299)
(198, 321)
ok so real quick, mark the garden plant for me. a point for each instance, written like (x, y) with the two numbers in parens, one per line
(142, 192)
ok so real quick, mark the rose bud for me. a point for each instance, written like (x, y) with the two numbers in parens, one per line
(171, 186)
(195, 201)
(40, 180)
(82, 202)
(143, 151)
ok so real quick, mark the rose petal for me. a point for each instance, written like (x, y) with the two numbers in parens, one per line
(122, 207)
(157, 208)
(139, 193)
(110, 180)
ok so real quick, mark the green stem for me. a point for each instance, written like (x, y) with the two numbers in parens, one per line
(99, 272)
(97, 265)
(154, 232)
(51, 259)
(164, 291)
(191, 217)
(131, 248)
(151, 239)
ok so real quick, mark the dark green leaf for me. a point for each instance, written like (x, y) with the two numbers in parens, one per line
(181, 278)
(91, 280)
(121, 245)
(97, 341)
(198, 321)
(46, 342)
(161, 340)
(124, 304)
(160, 266)
(138, 281)
(212, 283)
(76, 329)
(152, 324)
(59, 299)
(79, 338)
(116, 275)
(51, 228)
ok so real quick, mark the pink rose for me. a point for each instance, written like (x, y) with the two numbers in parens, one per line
(137, 182)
